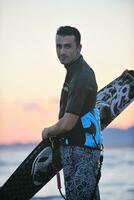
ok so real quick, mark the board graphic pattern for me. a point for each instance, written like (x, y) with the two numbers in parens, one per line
(111, 100)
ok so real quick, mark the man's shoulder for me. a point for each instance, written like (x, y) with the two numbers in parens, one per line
(85, 73)
(82, 78)
(87, 68)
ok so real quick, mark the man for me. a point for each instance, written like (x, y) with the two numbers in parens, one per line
(78, 123)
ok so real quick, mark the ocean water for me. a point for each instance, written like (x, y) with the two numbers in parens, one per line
(117, 181)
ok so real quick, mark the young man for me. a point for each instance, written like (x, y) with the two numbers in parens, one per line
(78, 123)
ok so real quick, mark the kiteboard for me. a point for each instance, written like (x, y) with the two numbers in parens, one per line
(23, 184)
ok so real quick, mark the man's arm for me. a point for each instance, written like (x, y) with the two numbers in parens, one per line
(65, 124)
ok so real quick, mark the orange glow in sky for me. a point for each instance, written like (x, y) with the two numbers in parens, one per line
(31, 76)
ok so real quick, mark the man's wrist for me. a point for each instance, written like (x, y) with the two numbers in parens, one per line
(46, 133)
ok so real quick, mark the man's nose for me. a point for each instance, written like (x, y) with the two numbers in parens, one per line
(62, 50)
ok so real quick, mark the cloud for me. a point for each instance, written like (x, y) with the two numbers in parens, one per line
(33, 106)
(41, 106)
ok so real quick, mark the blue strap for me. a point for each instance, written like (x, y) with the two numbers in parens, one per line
(92, 119)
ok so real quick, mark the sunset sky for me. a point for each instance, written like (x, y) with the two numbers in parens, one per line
(31, 76)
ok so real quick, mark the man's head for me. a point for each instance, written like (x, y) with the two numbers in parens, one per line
(68, 44)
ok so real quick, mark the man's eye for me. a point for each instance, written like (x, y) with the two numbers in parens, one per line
(59, 46)
(67, 46)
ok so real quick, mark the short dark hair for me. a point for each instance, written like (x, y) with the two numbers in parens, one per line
(69, 30)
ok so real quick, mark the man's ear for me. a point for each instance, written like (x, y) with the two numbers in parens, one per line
(79, 48)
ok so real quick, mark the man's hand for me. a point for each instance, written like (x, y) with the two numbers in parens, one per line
(64, 125)
(45, 134)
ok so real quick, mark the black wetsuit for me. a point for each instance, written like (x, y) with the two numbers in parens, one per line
(78, 97)
(80, 164)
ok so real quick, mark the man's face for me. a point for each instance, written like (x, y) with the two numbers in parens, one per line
(67, 50)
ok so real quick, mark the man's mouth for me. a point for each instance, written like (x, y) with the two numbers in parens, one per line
(63, 57)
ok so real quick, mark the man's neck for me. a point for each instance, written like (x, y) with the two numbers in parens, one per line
(71, 63)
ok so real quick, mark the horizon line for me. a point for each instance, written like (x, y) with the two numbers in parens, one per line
(33, 142)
